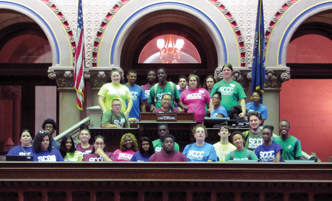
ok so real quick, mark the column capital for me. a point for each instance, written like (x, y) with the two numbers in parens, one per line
(64, 75)
(100, 75)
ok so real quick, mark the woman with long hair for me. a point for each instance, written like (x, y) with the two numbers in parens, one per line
(99, 153)
(200, 151)
(128, 146)
(145, 151)
(42, 148)
(25, 148)
(68, 150)
(113, 90)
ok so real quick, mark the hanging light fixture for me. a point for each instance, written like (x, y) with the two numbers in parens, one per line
(170, 52)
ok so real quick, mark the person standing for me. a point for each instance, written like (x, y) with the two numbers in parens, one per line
(231, 91)
(151, 81)
(50, 126)
(183, 83)
(137, 94)
(195, 98)
(115, 90)
(256, 105)
(161, 88)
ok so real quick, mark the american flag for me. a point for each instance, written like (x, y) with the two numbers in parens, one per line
(79, 59)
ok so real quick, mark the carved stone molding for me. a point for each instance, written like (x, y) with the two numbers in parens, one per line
(64, 75)
(239, 75)
(100, 75)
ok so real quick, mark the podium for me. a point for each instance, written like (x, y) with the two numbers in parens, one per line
(179, 125)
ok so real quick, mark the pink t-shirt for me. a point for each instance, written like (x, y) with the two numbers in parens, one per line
(159, 110)
(123, 155)
(196, 100)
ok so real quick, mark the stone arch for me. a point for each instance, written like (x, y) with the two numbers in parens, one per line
(56, 34)
(209, 16)
(286, 26)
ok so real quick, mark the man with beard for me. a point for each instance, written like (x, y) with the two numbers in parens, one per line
(253, 137)
(151, 81)
(162, 130)
(114, 118)
(290, 144)
(161, 88)
(138, 95)
(168, 153)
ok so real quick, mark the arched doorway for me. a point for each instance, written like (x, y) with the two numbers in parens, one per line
(25, 55)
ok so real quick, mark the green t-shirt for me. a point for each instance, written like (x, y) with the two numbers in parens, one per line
(291, 147)
(110, 118)
(253, 140)
(242, 155)
(157, 146)
(231, 93)
(74, 157)
(156, 97)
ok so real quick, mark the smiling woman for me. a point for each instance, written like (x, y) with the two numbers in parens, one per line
(128, 146)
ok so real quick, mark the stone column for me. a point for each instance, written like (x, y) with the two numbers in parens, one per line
(69, 114)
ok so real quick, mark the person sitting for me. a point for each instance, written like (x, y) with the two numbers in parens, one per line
(43, 150)
(25, 148)
(84, 147)
(115, 118)
(290, 144)
(50, 126)
(269, 151)
(240, 153)
(98, 151)
(145, 151)
(224, 147)
(253, 137)
(128, 146)
(218, 110)
(256, 105)
(162, 130)
(200, 151)
(166, 105)
(168, 153)
(68, 151)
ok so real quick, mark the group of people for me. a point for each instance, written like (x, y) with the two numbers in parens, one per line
(122, 103)
(258, 144)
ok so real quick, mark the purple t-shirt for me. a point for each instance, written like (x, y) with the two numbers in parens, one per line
(47, 156)
(97, 158)
(84, 151)
(146, 89)
(176, 156)
(268, 153)
(123, 155)
(196, 101)
(159, 110)
(139, 157)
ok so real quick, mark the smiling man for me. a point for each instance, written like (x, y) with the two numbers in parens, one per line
(253, 137)
(162, 130)
(168, 153)
(161, 88)
(115, 118)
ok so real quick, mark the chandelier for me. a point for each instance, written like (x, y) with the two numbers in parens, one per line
(170, 52)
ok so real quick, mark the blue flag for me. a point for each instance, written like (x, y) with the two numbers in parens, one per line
(258, 66)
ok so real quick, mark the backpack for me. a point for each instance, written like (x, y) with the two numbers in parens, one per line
(155, 87)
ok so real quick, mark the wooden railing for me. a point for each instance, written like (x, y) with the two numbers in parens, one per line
(165, 181)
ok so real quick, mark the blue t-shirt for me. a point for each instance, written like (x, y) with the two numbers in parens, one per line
(139, 158)
(268, 153)
(47, 156)
(203, 153)
(18, 151)
(219, 110)
(262, 109)
(138, 95)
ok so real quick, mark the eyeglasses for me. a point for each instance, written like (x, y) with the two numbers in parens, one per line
(167, 100)
(215, 98)
(284, 126)
(117, 105)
